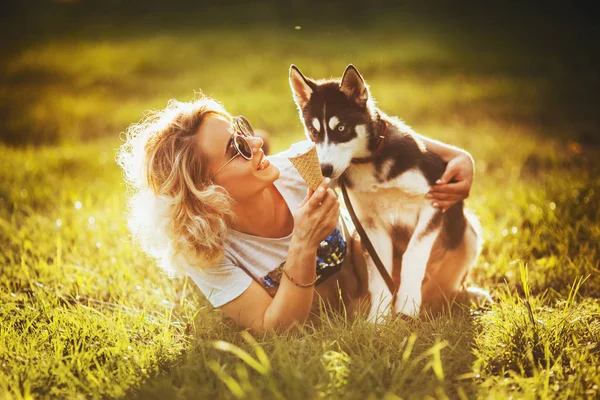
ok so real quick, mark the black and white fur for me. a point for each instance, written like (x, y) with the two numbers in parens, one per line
(388, 193)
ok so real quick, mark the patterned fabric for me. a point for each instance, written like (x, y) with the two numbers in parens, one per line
(330, 256)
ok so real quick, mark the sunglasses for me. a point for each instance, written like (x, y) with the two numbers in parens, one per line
(242, 129)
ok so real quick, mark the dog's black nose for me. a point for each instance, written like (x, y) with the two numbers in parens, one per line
(327, 170)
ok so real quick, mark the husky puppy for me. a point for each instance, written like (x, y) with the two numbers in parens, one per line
(388, 171)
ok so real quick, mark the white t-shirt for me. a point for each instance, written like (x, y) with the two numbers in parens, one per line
(264, 257)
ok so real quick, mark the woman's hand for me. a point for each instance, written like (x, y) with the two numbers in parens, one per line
(460, 169)
(317, 215)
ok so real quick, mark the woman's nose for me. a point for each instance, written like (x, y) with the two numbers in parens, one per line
(255, 142)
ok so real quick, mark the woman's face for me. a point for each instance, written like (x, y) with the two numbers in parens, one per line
(240, 177)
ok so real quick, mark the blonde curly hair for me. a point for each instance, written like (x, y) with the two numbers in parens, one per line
(177, 215)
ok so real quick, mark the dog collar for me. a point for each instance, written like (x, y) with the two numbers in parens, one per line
(380, 141)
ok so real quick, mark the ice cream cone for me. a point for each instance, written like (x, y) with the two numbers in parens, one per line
(307, 164)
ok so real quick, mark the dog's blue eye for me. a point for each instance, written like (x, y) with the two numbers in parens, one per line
(341, 127)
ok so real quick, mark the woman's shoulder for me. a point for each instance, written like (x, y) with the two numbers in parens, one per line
(220, 282)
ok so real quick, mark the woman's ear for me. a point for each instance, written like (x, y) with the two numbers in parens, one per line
(301, 87)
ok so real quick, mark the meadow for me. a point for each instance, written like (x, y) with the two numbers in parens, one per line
(85, 314)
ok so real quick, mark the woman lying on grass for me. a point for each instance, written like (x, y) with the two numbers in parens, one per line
(245, 227)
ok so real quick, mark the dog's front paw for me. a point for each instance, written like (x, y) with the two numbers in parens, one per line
(376, 318)
(410, 310)
(409, 305)
(379, 313)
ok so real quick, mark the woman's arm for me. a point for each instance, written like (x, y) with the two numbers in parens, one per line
(459, 169)
(446, 151)
(256, 310)
(314, 220)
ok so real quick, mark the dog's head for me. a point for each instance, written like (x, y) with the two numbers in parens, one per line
(337, 115)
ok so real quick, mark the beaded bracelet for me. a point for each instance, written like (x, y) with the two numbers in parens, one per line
(298, 283)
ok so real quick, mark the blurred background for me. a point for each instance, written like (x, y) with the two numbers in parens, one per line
(74, 70)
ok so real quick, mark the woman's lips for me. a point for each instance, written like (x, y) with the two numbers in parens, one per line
(264, 164)
(262, 159)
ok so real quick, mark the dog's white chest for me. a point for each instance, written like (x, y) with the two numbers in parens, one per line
(393, 202)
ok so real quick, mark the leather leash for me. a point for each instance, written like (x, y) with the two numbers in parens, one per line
(366, 242)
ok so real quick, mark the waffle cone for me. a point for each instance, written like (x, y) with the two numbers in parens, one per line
(308, 166)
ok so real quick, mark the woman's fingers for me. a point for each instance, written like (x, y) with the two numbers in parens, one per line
(331, 214)
(309, 193)
(329, 201)
(319, 194)
(444, 196)
(318, 197)
(449, 173)
(329, 197)
(458, 187)
(444, 205)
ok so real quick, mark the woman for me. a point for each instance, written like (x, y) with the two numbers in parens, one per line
(207, 203)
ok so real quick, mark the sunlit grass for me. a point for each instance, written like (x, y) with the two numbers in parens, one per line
(84, 312)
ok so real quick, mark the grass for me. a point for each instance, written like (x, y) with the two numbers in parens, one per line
(84, 313)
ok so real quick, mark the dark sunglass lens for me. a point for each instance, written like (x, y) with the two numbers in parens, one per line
(243, 147)
(245, 126)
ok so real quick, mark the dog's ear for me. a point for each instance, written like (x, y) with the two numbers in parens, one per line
(353, 86)
(302, 88)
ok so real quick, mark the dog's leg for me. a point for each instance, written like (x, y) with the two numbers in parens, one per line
(447, 272)
(414, 263)
(380, 295)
